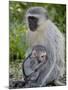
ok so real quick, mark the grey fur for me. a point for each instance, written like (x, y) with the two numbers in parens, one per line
(48, 35)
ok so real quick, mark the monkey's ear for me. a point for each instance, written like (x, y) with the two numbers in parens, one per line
(34, 53)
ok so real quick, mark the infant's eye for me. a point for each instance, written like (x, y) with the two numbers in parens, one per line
(42, 56)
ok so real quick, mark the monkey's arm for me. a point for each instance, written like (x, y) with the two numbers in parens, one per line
(26, 69)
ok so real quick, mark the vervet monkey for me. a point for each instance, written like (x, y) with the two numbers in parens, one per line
(35, 60)
(42, 31)
(33, 64)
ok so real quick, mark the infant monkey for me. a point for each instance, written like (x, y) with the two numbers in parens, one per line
(37, 57)
(34, 63)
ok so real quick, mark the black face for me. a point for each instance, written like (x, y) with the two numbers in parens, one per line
(33, 23)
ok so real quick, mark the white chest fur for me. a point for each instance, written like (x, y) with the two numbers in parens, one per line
(36, 38)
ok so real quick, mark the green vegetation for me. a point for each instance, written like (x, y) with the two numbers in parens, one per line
(17, 27)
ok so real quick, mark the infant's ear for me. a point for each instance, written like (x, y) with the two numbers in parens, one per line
(34, 54)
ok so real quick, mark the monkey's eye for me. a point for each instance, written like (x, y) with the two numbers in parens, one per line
(42, 56)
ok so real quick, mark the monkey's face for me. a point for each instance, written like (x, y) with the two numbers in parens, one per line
(32, 23)
(40, 56)
(36, 17)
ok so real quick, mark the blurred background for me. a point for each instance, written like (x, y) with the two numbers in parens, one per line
(18, 29)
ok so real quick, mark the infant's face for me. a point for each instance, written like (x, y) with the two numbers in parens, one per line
(39, 56)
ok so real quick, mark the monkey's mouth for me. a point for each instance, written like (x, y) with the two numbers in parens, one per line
(32, 21)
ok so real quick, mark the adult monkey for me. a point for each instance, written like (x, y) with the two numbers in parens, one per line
(42, 31)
